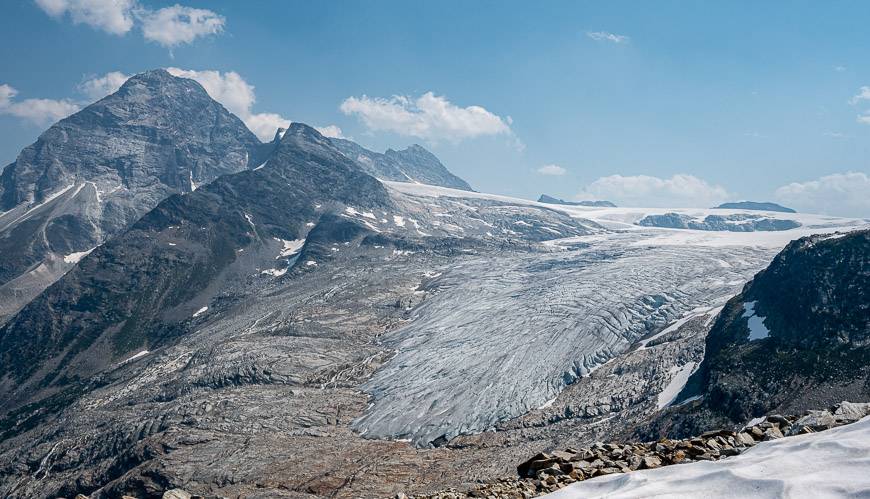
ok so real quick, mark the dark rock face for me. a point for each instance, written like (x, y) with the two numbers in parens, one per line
(413, 164)
(738, 222)
(754, 205)
(812, 305)
(138, 289)
(91, 175)
(551, 200)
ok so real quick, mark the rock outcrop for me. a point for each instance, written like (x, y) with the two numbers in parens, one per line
(796, 337)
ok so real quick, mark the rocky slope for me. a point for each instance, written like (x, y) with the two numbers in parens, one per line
(796, 337)
(412, 164)
(93, 174)
(134, 292)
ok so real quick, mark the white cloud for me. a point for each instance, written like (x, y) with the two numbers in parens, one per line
(172, 26)
(603, 36)
(97, 87)
(552, 170)
(679, 191)
(839, 69)
(428, 117)
(112, 16)
(330, 131)
(863, 94)
(237, 95)
(169, 26)
(843, 194)
(37, 111)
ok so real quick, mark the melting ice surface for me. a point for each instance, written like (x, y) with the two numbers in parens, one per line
(757, 329)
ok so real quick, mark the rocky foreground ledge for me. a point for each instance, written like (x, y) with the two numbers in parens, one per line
(549, 471)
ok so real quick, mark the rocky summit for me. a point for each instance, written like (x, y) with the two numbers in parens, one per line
(93, 174)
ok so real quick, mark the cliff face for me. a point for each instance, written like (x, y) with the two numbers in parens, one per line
(797, 337)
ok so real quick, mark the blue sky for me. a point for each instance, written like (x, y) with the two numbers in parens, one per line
(665, 103)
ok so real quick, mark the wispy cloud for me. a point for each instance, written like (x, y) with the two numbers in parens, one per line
(97, 87)
(169, 26)
(680, 190)
(839, 69)
(554, 170)
(604, 36)
(330, 131)
(112, 16)
(175, 25)
(237, 95)
(862, 95)
(36, 111)
(430, 117)
(836, 135)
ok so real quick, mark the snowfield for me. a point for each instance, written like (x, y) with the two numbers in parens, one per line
(830, 464)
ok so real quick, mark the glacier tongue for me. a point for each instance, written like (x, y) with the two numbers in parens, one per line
(492, 342)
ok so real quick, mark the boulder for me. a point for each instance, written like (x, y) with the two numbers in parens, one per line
(772, 433)
(176, 494)
(531, 467)
(744, 439)
(849, 412)
(817, 420)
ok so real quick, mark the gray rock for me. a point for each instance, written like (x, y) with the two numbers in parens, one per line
(176, 494)
(817, 420)
(772, 433)
(849, 412)
(91, 175)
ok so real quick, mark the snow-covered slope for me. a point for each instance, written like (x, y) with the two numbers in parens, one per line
(830, 464)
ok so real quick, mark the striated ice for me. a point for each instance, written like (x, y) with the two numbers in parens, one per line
(496, 339)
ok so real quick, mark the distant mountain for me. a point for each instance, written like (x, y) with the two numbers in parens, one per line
(738, 222)
(755, 205)
(91, 175)
(551, 200)
(796, 338)
(413, 164)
